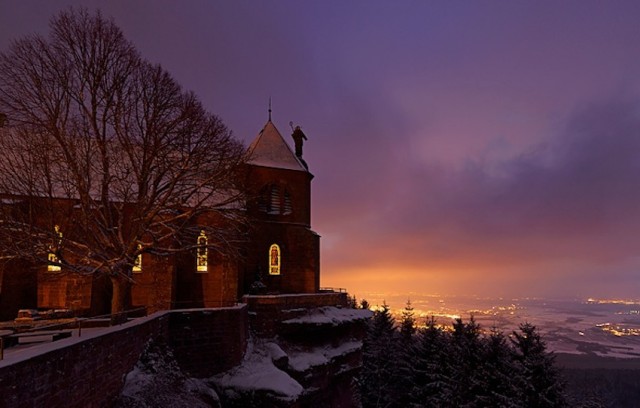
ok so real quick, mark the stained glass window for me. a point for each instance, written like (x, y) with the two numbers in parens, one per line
(202, 253)
(274, 260)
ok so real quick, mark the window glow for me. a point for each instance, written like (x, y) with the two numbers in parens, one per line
(274, 260)
(52, 257)
(137, 263)
(202, 254)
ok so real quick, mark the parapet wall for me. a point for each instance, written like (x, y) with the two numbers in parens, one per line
(266, 312)
(90, 370)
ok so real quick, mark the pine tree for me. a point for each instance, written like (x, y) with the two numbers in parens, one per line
(465, 360)
(499, 373)
(352, 302)
(430, 376)
(407, 323)
(541, 383)
(380, 377)
(406, 353)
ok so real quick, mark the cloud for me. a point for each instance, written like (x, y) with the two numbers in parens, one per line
(565, 209)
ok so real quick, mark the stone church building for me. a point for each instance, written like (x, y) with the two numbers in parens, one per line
(280, 255)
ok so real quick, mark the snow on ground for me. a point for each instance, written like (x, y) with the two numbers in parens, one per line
(157, 381)
(258, 373)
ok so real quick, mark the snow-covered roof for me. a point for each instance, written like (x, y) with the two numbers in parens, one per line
(269, 149)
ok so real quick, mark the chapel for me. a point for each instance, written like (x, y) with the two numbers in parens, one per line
(280, 253)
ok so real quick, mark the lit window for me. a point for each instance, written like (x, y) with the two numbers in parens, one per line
(274, 260)
(54, 262)
(137, 263)
(202, 253)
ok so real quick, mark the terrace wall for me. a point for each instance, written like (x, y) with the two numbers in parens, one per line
(266, 312)
(90, 370)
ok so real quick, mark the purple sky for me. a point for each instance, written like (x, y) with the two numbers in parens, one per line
(478, 147)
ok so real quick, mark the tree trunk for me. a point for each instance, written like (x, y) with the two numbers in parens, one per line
(120, 299)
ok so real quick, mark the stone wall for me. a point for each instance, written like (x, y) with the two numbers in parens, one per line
(18, 288)
(266, 312)
(90, 370)
(210, 341)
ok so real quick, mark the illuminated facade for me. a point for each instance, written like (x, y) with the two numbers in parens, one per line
(284, 251)
(281, 251)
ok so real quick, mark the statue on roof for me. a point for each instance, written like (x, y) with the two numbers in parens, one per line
(298, 138)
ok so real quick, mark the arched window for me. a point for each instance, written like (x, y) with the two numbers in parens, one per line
(54, 262)
(202, 253)
(274, 260)
(137, 263)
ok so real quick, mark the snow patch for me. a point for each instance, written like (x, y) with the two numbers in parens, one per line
(258, 373)
(331, 315)
(303, 360)
(156, 380)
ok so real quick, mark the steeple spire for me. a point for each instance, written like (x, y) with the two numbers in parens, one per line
(269, 109)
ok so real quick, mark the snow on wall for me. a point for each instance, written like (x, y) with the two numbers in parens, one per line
(304, 360)
(331, 315)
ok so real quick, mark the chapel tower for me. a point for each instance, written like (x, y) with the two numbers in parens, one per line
(284, 252)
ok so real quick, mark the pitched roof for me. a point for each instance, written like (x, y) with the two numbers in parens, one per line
(269, 149)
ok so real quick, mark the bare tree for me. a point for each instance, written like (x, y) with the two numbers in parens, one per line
(107, 147)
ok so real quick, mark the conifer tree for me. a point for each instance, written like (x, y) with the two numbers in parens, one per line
(407, 323)
(499, 373)
(380, 376)
(352, 302)
(464, 363)
(406, 352)
(430, 376)
(541, 382)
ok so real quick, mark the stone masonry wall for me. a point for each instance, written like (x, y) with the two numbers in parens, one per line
(209, 341)
(89, 371)
(266, 311)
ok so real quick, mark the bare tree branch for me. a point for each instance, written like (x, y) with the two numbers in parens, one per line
(108, 147)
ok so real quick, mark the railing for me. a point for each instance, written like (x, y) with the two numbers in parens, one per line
(198, 304)
(336, 290)
(76, 324)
